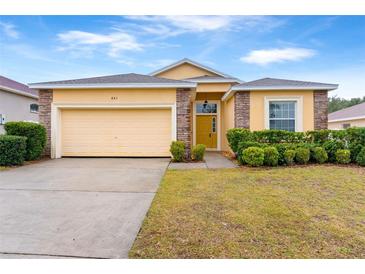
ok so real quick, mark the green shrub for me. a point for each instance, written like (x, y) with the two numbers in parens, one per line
(271, 156)
(237, 135)
(356, 140)
(253, 156)
(318, 136)
(177, 149)
(355, 149)
(197, 153)
(281, 148)
(289, 156)
(278, 136)
(331, 147)
(302, 155)
(246, 144)
(343, 156)
(360, 159)
(36, 137)
(12, 150)
(320, 155)
(330, 140)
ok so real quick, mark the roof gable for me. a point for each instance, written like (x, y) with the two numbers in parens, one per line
(187, 68)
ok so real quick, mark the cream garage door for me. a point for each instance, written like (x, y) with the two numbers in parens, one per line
(115, 132)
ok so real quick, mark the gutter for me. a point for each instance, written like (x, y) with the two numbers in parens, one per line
(346, 119)
(19, 92)
(234, 89)
(127, 85)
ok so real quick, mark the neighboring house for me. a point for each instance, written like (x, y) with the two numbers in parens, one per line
(17, 102)
(139, 115)
(348, 117)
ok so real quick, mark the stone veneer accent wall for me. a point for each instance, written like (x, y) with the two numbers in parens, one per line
(45, 101)
(184, 114)
(242, 109)
(320, 99)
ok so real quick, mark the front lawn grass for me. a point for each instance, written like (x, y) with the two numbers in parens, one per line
(300, 212)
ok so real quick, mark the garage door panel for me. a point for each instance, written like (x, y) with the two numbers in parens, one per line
(117, 132)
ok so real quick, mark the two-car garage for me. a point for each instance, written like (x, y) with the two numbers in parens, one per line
(116, 132)
(123, 115)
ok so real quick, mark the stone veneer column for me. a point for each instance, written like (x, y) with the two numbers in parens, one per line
(242, 109)
(320, 100)
(184, 114)
(45, 101)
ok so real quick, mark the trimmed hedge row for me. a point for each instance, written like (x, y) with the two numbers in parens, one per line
(340, 146)
(36, 137)
(12, 150)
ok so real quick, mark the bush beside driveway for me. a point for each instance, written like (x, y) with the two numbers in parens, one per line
(300, 212)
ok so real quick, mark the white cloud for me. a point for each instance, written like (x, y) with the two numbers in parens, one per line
(268, 56)
(115, 42)
(9, 30)
(165, 26)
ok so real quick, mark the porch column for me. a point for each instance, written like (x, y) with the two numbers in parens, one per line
(45, 101)
(242, 109)
(320, 101)
(184, 118)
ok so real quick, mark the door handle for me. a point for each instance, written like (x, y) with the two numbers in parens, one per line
(210, 135)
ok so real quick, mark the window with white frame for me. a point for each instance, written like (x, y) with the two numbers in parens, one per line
(282, 115)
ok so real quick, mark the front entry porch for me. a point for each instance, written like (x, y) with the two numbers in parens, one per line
(207, 124)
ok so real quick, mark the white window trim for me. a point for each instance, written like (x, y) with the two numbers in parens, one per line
(56, 146)
(298, 110)
(218, 122)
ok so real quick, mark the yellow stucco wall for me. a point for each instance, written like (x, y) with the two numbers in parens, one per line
(213, 87)
(227, 121)
(209, 95)
(257, 107)
(184, 71)
(116, 96)
(353, 123)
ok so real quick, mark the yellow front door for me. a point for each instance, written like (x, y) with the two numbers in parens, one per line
(206, 130)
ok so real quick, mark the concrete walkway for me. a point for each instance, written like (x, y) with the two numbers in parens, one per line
(212, 160)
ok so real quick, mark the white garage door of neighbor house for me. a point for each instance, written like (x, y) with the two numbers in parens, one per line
(115, 132)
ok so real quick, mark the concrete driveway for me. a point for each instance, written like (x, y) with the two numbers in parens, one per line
(76, 207)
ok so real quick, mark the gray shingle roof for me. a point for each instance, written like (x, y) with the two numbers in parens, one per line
(207, 78)
(14, 85)
(350, 112)
(280, 83)
(115, 79)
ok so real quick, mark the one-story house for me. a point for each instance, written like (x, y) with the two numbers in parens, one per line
(17, 102)
(139, 115)
(348, 117)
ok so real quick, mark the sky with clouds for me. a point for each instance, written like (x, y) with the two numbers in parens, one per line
(328, 49)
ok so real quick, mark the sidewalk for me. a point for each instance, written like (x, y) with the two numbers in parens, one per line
(212, 160)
